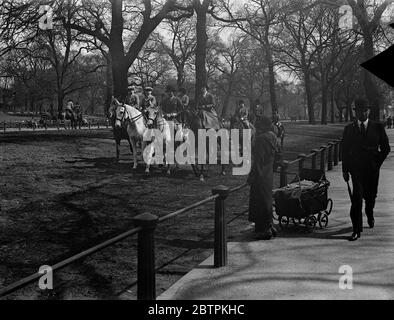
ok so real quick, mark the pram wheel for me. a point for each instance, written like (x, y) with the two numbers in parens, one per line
(296, 221)
(329, 206)
(283, 222)
(310, 223)
(323, 220)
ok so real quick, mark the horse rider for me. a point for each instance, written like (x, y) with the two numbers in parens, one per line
(185, 103)
(184, 98)
(206, 108)
(77, 108)
(242, 113)
(133, 98)
(69, 109)
(78, 113)
(148, 101)
(389, 122)
(258, 110)
(172, 105)
(277, 124)
(275, 118)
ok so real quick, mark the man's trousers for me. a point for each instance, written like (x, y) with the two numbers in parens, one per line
(365, 186)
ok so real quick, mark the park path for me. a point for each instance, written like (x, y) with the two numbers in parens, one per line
(298, 265)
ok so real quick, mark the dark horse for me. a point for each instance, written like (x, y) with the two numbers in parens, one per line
(119, 133)
(241, 124)
(194, 122)
(72, 116)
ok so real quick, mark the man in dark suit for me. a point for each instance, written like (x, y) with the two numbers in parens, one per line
(364, 148)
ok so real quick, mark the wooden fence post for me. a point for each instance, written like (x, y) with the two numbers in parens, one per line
(323, 158)
(329, 156)
(314, 158)
(146, 281)
(20, 126)
(336, 152)
(220, 242)
(5, 126)
(301, 162)
(283, 173)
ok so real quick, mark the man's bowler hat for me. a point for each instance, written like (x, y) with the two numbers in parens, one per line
(361, 104)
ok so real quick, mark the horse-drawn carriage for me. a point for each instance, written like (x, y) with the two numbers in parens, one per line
(304, 201)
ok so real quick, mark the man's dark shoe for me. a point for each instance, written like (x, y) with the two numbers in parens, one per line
(354, 236)
(371, 223)
(274, 232)
(263, 236)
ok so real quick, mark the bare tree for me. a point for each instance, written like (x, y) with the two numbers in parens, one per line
(229, 56)
(297, 47)
(181, 46)
(334, 48)
(369, 25)
(261, 20)
(92, 18)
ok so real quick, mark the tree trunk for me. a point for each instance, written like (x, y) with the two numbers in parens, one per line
(271, 77)
(332, 107)
(201, 50)
(180, 76)
(119, 75)
(60, 99)
(324, 104)
(348, 113)
(227, 99)
(371, 88)
(108, 87)
(309, 97)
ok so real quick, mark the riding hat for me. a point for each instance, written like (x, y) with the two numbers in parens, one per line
(148, 89)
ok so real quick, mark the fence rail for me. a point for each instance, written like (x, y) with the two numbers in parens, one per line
(50, 125)
(146, 223)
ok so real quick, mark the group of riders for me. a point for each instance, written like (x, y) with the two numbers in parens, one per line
(177, 106)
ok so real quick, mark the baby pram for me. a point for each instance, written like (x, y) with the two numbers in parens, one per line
(304, 201)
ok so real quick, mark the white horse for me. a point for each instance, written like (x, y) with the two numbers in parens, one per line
(138, 126)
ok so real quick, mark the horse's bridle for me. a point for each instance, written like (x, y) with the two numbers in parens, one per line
(132, 120)
(154, 121)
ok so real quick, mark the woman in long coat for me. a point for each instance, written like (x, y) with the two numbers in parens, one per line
(265, 150)
(206, 106)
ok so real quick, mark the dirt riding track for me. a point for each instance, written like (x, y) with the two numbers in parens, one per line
(62, 192)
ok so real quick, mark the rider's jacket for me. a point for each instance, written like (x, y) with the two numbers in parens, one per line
(148, 102)
(69, 107)
(134, 100)
(185, 101)
(243, 113)
(207, 102)
(172, 105)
